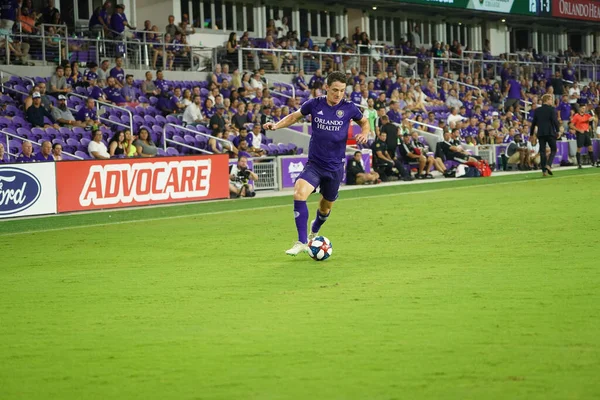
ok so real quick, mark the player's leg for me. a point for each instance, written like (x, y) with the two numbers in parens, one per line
(588, 143)
(422, 163)
(580, 146)
(543, 154)
(302, 189)
(330, 187)
(552, 145)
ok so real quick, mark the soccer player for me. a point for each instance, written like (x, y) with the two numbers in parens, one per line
(330, 118)
(581, 123)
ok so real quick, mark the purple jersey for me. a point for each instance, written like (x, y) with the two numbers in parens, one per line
(95, 92)
(22, 158)
(39, 157)
(114, 94)
(330, 127)
(162, 85)
(117, 22)
(118, 74)
(515, 89)
(84, 113)
(564, 111)
(356, 97)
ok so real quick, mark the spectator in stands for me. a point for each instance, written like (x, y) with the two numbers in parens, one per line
(411, 154)
(96, 148)
(171, 28)
(317, 77)
(57, 151)
(99, 21)
(215, 145)
(144, 144)
(193, 113)
(557, 85)
(29, 99)
(148, 86)
(232, 48)
(239, 120)
(95, 92)
(118, 72)
(48, 12)
(239, 177)
(58, 82)
(217, 121)
(116, 144)
(118, 22)
(45, 153)
(3, 156)
(87, 115)
(128, 91)
(36, 113)
(574, 94)
(128, 146)
(266, 116)
(452, 100)
(355, 172)
(533, 149)
(269, 54)
(258, 137)
(62, 115)
(299, 81)
(26, 155)
(113, 93)
(91, 72)
(103, 73)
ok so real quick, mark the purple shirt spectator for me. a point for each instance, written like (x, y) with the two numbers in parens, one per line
(39, 157)
(113, 94)
(564, 111)
(118, 74)
(117, 22)
(96, 92)
(394, 116)
(515, 89)
(315, 79)
(355, 97)
(84, 113)
(22, 158)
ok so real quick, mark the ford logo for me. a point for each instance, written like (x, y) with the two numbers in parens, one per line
(19, 190)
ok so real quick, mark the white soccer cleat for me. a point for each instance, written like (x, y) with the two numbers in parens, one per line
(312, 235)
(296, 249)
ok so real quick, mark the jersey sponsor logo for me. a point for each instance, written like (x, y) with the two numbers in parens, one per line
(112, 184)
(19, 190)
(328, 124)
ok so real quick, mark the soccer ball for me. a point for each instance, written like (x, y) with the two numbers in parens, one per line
(320, 248)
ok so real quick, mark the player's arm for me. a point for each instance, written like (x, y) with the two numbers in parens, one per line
(365, 129)
(284, 123)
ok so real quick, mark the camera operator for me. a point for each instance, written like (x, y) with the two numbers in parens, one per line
(239, 176)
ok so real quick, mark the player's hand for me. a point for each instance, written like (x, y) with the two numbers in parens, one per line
(361, 138)
(269, 126)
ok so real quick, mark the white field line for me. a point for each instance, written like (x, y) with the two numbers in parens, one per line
(375, 196)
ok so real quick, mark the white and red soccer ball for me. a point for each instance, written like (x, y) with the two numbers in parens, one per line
(320, 248)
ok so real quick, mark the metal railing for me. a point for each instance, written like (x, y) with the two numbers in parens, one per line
(7, 149)
(461, 84)
(437, 129)
(130, 126)
(195, 133)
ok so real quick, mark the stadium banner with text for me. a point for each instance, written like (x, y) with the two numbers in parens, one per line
(27, 189)
(290, 168)
(586, 10)
(522, 7)
(94, 184)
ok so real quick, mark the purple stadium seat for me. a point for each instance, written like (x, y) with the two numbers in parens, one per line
(161, 152)
(173, 120)
(153, 100)
(15, 145)
(5, 123)
(172, 151)
(143, 99)
(79, 131)
(82, 154)
(24, 132)
(85, 141)
(160, 120)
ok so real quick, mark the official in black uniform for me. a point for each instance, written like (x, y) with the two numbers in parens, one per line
(392, 137)
(546, 121)
(355, 172)
(384, 164)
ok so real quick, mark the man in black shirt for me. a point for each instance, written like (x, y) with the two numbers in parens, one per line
(391, 131)
(384, 165)
(380, 102)
(240, 118)
(36, 113)
(217, 122)
(355, 172)
(453, 151)
(265, 118)
(410, 154)
(558, 85)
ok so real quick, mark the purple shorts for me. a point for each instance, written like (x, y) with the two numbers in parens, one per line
(328, 182)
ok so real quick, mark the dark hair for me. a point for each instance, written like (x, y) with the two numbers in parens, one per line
(56, 144)
(59, 67)
(115, 137)
(95, 131)
(357, 152)
(128, 76)
(336, 77)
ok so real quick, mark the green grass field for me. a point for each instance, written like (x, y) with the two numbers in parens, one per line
(472, 289)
